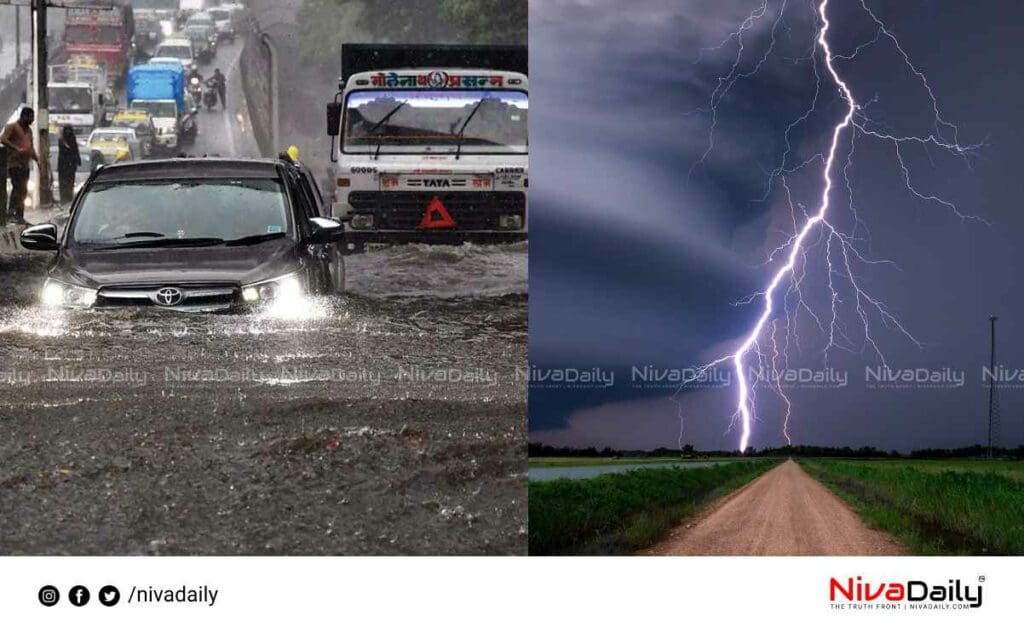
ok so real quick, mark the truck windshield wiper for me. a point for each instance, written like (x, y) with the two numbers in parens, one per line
(462, 130)
(167, 241)
(378, 124)
(254, 239)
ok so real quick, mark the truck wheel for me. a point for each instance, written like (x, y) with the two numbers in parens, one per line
(337, 270)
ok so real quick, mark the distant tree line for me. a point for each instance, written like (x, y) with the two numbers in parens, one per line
(325, 24)
(864, 452)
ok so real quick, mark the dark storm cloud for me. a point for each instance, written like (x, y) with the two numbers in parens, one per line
(632, 262)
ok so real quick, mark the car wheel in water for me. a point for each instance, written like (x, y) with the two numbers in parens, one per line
(337, 270)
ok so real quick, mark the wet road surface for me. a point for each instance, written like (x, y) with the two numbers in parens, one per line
(387, 420)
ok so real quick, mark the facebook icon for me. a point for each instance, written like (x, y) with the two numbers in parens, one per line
(78, 596)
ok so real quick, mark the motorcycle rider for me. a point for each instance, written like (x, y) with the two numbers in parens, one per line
(195, 76)
(219, 83)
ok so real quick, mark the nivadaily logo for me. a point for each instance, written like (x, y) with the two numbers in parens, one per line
(905, 594)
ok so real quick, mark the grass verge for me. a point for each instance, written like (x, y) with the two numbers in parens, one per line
(934, 507)
(623, 512)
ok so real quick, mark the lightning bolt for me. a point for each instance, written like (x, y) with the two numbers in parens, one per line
(842, 254)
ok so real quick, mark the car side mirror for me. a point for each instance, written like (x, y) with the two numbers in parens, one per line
(323, 230)
(333, 119)
(41, 237)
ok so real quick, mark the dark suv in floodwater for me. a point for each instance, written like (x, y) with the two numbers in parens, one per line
(194, 234)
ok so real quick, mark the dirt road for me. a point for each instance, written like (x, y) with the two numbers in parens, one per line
(783, 512)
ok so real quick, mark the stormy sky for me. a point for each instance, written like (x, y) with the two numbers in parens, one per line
(640, 252)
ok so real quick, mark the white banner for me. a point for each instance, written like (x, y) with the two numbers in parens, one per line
(509, 594)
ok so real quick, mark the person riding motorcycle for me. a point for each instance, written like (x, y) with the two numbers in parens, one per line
(194, 84)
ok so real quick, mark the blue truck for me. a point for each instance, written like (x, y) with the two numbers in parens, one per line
(160, 90)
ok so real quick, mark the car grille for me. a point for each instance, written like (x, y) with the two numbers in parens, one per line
(193, 297)
(471, 210)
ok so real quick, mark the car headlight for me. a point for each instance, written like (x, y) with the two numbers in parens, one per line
(58, 293)
(283, 288)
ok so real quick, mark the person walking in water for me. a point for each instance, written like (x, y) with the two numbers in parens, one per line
(17, 140)
(68, 161)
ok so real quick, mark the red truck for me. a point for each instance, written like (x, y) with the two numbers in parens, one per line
(104, 33)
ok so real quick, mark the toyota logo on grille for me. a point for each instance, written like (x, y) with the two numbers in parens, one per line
(168, 297)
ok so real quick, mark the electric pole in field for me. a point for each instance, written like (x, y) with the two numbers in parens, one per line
(992, 386)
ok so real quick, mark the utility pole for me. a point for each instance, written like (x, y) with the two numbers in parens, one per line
(39, 62)
(992, 384)
(17, 35)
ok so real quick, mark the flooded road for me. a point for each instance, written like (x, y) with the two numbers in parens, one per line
(387, 420)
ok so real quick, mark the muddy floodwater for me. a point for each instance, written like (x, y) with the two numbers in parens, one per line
(390, 419)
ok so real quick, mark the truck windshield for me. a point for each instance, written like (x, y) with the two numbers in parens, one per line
(436, 121)
(65, 99)
(225, 209)
(157, 109)
(88, 34)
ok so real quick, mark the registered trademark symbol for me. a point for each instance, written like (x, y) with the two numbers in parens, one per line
(981, 579)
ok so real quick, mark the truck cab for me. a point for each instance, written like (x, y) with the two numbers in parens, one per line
(76, 104)
(431, 144)
(104, 32)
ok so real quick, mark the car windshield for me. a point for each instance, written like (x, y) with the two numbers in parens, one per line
(414, 121)
(65, 99)
(120, 138)
(220, 14)
(158, 109)
(177, 51)
(221, 209)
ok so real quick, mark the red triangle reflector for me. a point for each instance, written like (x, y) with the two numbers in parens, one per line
(436, 216)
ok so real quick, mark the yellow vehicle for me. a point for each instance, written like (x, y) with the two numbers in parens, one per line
(115, 144)
(142, 123)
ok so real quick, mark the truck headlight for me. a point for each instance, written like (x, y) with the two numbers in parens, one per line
(58, 293)
(284, 288)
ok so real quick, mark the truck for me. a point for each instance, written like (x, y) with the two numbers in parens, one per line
(159, 89)
(69, 84)
(104, 31)
(77, 104)
(154, 20)
(430, 144)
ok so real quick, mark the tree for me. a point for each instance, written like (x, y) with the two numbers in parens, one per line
(488, 21)
(324, 24)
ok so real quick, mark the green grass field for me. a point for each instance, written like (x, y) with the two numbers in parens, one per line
(622, 512)
(554, 462)
(934, 506)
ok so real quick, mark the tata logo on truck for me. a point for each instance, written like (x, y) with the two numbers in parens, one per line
(911, 593)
